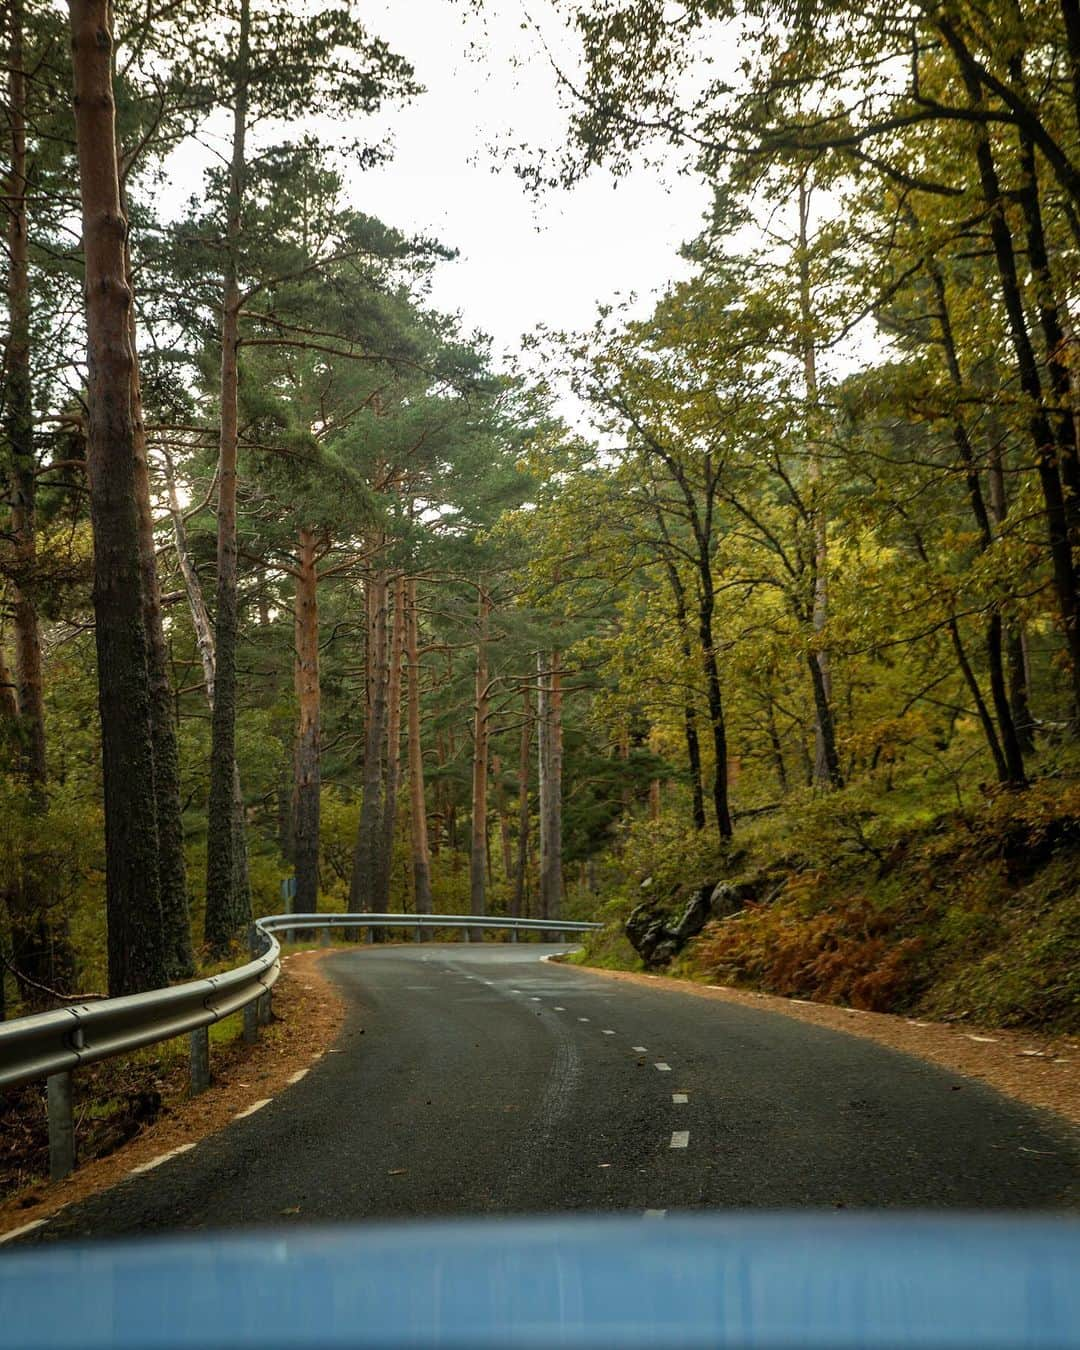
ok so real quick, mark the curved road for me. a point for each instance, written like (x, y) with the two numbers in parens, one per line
(475, 1079)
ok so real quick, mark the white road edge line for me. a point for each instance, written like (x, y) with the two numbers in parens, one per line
(250, 1110)
(300, 1073)
(664, 1068)
(640, 1049)
(26, 1228)
(655, 1214)
(680, 1139)
(161, 1158)
(679, 1098)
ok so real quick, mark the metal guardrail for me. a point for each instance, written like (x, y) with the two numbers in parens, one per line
(51, 1045)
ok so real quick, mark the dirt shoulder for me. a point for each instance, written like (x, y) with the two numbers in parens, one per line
(308, 1013)
(1042, 1071)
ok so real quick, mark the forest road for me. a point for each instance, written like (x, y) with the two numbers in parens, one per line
(476, 1079)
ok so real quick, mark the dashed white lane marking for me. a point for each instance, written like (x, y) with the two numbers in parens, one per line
(607, 1033)
(250, 1110)
(26, 1228)
(680, 1139)
(656, 1214)
(679, 1098)
(664, 1068)
(640, 1049)
(583, 1019)
(300, 1073)
(533, 998)
(161, 1158)
(559, 1008)
(515, 991)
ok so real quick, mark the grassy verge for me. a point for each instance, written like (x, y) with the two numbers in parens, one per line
(969, 913)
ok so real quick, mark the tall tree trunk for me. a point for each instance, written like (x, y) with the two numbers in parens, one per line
(421, 857)
(827, 772)
(1061, 414)
(204, 640)
(706, 602)
(504, 820)
(478, 849)
(1015, 657)
(518, 904)
(363, 888)
(200, 615)
(172, 866)
(396, 653)
(135, 941)
(549, 760)
(40, 947)
(777, 748)
(228, 910)
(1039, 428)
(306, 760)
(1010, 760)
(690, 730)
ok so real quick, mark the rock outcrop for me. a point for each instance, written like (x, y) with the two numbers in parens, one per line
(658, 931)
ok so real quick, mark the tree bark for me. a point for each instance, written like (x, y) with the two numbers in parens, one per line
(505, 848)
(172, 865)
(204, 640)
(136, 951)
(827, 772)
(549, 760)
(1008, 754)
(228, 909)
(478, 848)
(363, 888)
(421, 857)
(690, 730)
(519, 902)
(306, 759)
(1040, 431)
(395, 650)
(40, 947)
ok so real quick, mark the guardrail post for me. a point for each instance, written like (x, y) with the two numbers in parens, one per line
(199, 1053)
(251, 1022)
(61, 1126)
(251, 1010)
(266, 1009)
(370, 935)
(324, 937)
(513, 934)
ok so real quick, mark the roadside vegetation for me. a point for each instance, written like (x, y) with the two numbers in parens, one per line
(306, 599)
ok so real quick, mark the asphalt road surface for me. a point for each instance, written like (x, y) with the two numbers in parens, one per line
(476, 1079)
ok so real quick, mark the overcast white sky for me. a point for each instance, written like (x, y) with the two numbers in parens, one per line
(523, 261)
